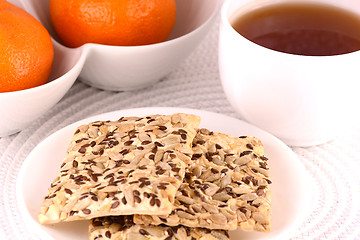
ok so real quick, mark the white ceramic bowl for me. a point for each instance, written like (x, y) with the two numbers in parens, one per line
(120, 68)
(20, 108)
(107, 67)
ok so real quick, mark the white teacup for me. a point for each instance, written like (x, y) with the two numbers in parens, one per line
(303, 100)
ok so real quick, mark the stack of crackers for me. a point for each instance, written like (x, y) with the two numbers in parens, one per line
(160, 177)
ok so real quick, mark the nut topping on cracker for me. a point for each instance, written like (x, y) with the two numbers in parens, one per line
(131, 166)
(225, 187)
(122, 227)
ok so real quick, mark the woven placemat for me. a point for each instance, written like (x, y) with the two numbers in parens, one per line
(333, 167)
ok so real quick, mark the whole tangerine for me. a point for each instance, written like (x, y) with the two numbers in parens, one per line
(112, 22)
(26, 50)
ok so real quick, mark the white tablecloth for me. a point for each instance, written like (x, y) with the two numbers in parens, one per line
(334, 167)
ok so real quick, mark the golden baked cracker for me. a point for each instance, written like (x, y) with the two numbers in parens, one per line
(226, 186)
(123, 228)
(131, 166)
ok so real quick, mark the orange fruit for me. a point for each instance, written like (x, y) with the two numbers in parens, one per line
(26, 50)
(112, 22)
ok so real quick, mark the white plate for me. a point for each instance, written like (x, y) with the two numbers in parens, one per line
(290, 181)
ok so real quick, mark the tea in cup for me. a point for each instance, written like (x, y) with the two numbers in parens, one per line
(291, 67)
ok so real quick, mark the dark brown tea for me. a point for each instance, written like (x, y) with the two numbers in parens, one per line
(311, 29)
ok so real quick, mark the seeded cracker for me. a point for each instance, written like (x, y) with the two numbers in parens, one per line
(123, 228)
(226, 186)
(130, 166)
